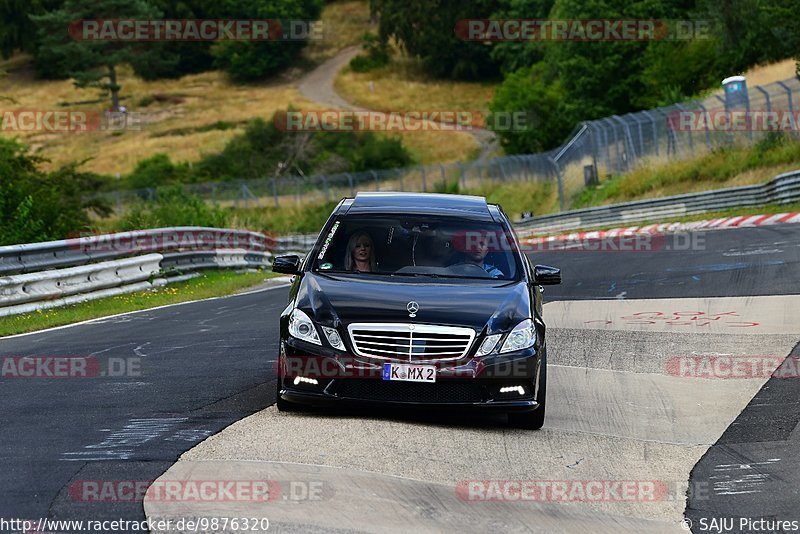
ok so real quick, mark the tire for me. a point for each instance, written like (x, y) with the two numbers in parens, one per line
(533, 420)
(285, 406)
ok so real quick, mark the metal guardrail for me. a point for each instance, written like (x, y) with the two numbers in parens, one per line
(48, 285)
(82, 250)
(43, 275)
(782, 189)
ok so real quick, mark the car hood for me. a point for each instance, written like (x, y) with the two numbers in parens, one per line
(331, 299)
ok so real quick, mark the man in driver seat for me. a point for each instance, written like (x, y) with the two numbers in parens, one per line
(476, 254)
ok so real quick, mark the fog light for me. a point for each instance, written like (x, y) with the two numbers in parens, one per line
(511, 389)
(299, 379)
(333, 338)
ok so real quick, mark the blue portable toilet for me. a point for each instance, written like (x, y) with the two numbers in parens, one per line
(735, 93)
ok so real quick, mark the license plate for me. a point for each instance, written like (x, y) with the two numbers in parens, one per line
(409, 373)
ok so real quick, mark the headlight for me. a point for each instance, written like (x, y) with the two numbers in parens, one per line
(523, 336)
(333, 337)
(488, 345)
(301, 327)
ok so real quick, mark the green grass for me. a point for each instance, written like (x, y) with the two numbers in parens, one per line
(306, 218)
(724, 167)
(210, 284)
(516, 198)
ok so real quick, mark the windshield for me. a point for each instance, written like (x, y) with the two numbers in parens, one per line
(418, 247)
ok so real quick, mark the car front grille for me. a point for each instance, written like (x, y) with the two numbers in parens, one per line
(410, 342)
(386, 391)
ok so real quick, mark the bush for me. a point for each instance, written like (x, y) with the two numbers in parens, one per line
(173, 207)
(40, 206)
(377, 54)
(157, 171)
(248, 61)
(540, 96)
(264, 150)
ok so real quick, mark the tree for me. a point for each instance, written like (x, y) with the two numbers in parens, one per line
(17, 30)
(185, 57)
(537, 93)
(426, 29)
(41, 206)
(249, 61)
(93, 63)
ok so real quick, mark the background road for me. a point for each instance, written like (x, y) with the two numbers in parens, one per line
(208, 364)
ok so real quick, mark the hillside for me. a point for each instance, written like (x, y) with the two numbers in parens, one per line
(194, 115)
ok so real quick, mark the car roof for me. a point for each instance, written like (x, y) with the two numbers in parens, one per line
(469, 206)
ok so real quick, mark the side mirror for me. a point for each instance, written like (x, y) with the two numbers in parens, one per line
(286, 264)
(546, 276)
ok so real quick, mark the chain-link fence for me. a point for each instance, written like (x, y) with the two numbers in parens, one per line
(595, 148)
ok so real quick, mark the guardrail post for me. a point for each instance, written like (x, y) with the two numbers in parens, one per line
(424, 185)
(444, 177)
(462, 178)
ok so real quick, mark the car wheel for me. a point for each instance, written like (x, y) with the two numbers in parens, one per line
(533, 420)
(285, 406)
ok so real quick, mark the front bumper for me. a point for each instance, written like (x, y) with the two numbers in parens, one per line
(346, 379)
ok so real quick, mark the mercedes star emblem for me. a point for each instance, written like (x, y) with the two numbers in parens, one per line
(412, 308)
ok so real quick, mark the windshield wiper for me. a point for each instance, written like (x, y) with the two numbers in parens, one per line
(432, 275)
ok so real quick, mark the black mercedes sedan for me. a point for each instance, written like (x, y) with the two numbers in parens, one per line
(416, 299)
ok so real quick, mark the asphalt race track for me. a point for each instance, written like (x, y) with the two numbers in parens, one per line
(626, 404)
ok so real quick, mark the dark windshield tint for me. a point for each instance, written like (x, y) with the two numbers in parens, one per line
(418, 247)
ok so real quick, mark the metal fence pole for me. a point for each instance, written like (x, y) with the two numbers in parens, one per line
(792, 120)
(689, 133)
(350, 181)
(275, 191)
(707, 118)
(560, 183)
(655, 130)
(424, 185)
(327, 190)
(766, 96)
(377, 183)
